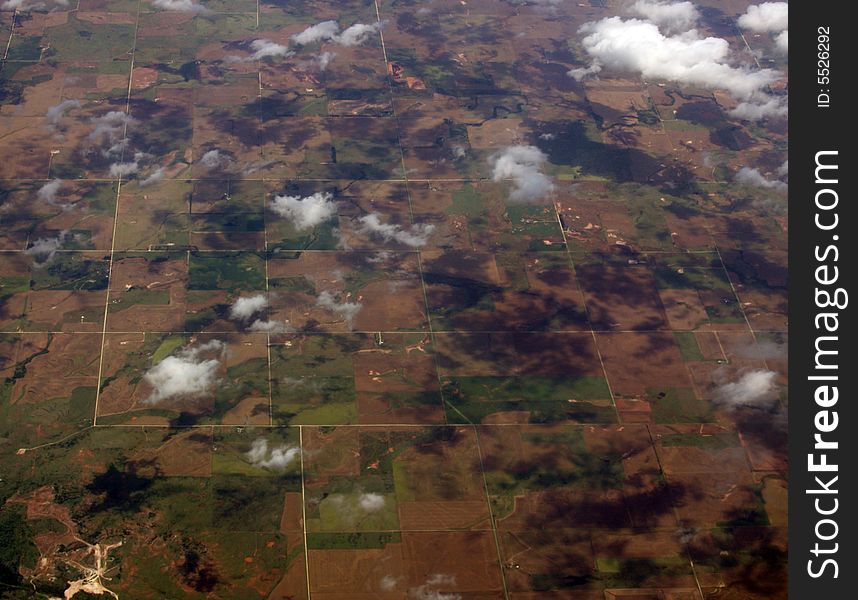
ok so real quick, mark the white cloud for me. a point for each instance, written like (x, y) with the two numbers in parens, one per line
(187, 374)
(320, 32)
(266, 48)
(48, 192)
(307, 212)
(782, 42)
(769, 17)
(180, 6)
(774, 106)
(671, 16)
(245, 307)
(766, 17)
(111, 125)
(415, 236)
(124, 169)
(58, 111)
(324, 59)
(269, 326)
(433, 588)
(749, 176)
(44, 249)
(213, 159)
(277, 458)
(345, 310)
(371, 502)
(783, 170)
(330, 31)
(34, 5)
(753, 389)
(357, 34)
(522, 165)
(388, 583)
(638, 46)
(156, 176)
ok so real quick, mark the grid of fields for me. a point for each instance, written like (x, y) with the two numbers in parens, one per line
(436, 386)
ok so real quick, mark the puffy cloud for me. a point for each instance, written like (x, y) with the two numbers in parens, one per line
(782, 41)
(638, 46)
(110, 125)
(783, 170)
(330, 31)
(749, 176)
(347, 311)
(307, 212)
(522, 165)
(213, 159)
(58, 111)
(755, 389)
(433, 588)
(635, 45)
(671, 16)
(277, 458)
(324, 59)
(357, 34)
(32, 4)
(320, 32)
(415, 236)
(766, 17)
(187, 374)
(156, 176)
(124, 169)
(48, 192)
(371, 502)
(180, 6)
(388, 583)
(775, 106)
(44, 249)
(247, 306)
(268, 49)
(269, 326)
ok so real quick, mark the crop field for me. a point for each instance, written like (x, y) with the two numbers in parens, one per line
(367, 299)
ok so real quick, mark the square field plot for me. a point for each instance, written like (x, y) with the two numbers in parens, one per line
(184, 379)
(649, 378)
(49, 386)
(476, 216)
(48, 289)
(569, 476)
(69, 214)
(329, 379)
(187, 291)
(504, 292)
(341, 291)
(214, 214)
(393, 479)
(522, 377)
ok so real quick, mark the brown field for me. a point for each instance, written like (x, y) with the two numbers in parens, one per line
(331, 453)
(621, 297)
(185, 454)
(656, 364)
(683, 309)
(446, 514)
(65, 310)
(507, 354)
(341, 574)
